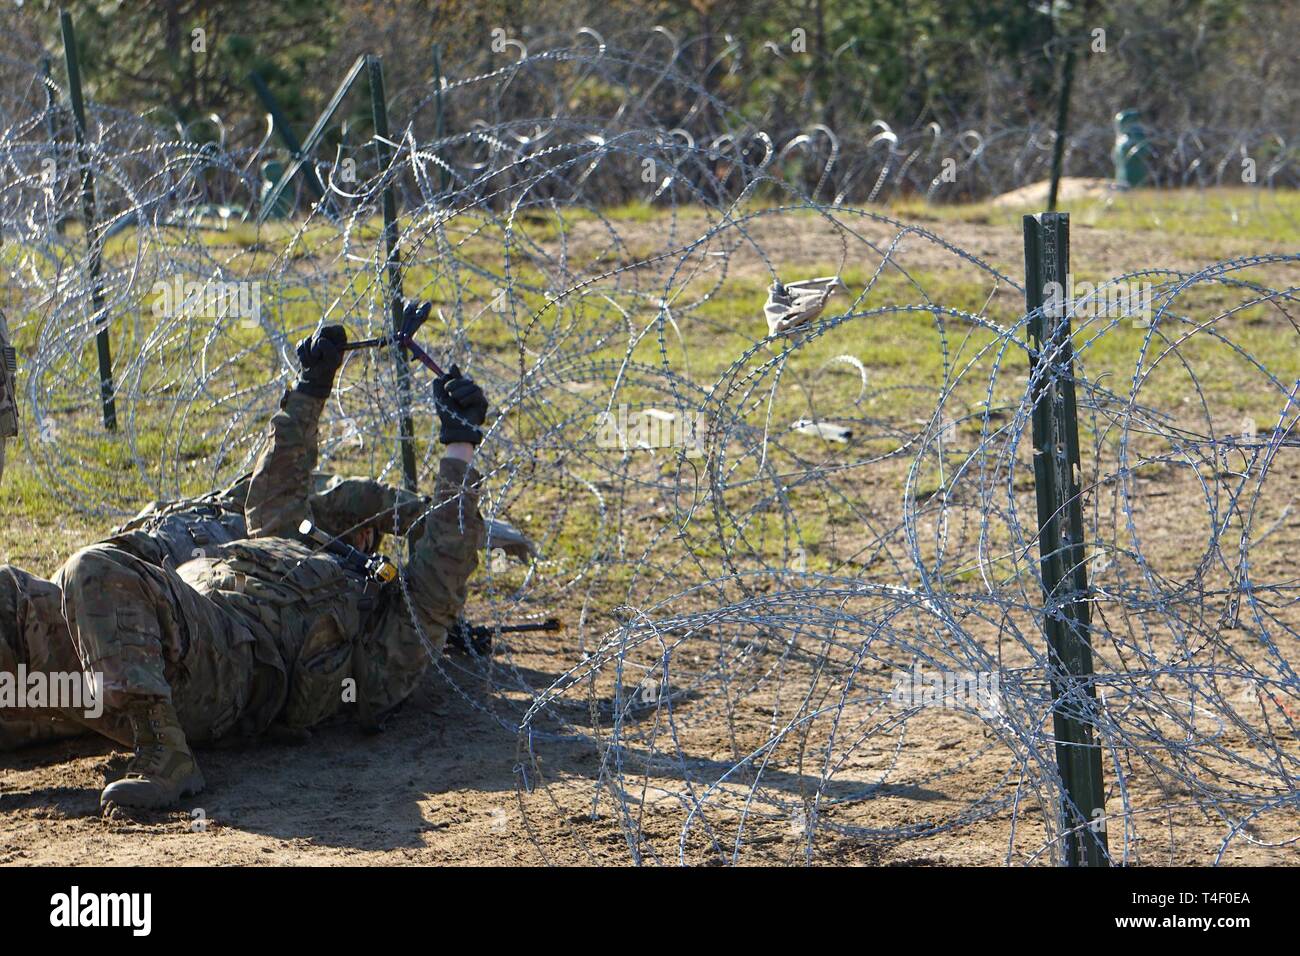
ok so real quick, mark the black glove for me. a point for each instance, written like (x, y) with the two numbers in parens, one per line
(320, 355)
(462, 407)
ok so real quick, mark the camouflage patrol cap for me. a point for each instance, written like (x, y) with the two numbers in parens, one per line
(342, 505)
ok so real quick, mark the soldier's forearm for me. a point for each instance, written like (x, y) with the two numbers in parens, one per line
(281, 484)
(414, 508)
(446, 553)
(452, 513)
(389, 662)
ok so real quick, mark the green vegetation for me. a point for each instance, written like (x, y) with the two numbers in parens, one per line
(1242, 213)
(844, 63)
(909, 355)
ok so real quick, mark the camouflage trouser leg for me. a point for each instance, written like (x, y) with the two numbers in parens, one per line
(34, 634)
(151, 635)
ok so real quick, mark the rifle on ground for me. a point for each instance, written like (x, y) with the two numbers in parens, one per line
(463, 636)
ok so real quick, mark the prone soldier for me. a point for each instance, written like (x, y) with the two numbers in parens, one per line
(33, 632)
(272, 630)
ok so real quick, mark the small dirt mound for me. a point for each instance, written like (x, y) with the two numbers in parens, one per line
(1071, 188)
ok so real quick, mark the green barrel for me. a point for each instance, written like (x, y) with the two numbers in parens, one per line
(1131, 150)
(272, 171)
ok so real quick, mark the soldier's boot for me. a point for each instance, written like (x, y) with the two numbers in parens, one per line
(163, 769)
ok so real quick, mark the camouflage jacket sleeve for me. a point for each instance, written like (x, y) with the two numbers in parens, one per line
(279, 491)
(392, 657)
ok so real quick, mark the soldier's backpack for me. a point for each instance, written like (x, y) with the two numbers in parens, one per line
(188, 529)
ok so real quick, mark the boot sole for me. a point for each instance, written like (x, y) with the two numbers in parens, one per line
(193, 784)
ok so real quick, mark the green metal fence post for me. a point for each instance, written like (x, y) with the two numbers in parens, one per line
(92, 227)
(309, 145)
(384, 154)
(1062, 557)
(1062, 126)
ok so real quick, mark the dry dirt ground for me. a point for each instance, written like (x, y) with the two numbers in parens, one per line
(442, 785)
(445, 784)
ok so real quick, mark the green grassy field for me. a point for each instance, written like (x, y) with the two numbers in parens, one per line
(909, 354)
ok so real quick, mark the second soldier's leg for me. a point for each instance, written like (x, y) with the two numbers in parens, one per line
(34, 638)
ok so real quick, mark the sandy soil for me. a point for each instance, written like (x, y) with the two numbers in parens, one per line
(445, 784)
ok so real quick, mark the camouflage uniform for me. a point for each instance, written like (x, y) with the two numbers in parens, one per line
(33, 633)
(8, 402)
(33, 630)
(173, 532)
(270, 630)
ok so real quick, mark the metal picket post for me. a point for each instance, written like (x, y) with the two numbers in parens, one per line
(1066, 616)
(384, 155)
(94, 250)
